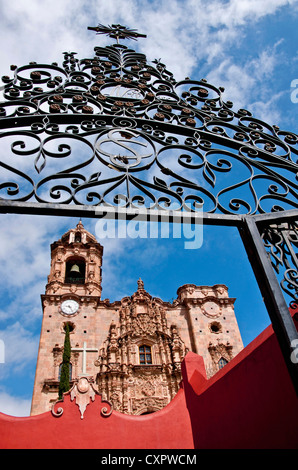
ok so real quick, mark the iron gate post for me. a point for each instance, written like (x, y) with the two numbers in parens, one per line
(278, 310)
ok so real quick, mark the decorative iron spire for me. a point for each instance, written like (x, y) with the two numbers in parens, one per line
(117, 31)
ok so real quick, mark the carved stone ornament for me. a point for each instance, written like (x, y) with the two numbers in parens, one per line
(83, 392)
(148, 389)
(220, 350)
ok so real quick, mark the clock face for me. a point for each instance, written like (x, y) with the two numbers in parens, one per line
(69, 307)
(211, 309)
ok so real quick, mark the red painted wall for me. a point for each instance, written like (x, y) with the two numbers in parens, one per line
(95, 431)
(250, 403)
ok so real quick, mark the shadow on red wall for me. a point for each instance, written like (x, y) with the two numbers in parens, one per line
(249, 404)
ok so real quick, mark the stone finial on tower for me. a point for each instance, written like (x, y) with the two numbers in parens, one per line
(140, 284)
(80, 225)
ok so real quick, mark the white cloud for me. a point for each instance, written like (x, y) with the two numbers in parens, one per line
(247, 84)
(182, 34)
(20, 348)
(267, 110)
(14, 405)
(26, 240)
(24, 266)
(176, 30)
(235, 13)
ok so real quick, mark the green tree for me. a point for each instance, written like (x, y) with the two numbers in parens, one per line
(64, 376)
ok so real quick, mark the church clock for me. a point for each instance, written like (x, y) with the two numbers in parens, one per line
(69, 307)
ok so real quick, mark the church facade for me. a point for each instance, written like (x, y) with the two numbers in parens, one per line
(131, 349)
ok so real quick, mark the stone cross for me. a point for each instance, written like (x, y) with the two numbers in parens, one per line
(84, 350)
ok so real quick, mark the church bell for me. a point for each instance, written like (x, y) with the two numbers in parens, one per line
(75, 270)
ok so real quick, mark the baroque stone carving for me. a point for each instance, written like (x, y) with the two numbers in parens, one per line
(83, 392)
(132, 386)
(218, 351)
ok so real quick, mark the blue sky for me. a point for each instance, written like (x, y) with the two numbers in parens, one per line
(249, 47)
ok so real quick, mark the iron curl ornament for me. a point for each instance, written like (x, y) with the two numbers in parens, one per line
(114, 132)
(281, 242)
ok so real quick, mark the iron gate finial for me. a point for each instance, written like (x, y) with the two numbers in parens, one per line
(117, 31)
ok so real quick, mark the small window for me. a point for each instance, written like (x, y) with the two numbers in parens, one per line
(145, 354)
(71, 326)
(222, 362)
(215, 327)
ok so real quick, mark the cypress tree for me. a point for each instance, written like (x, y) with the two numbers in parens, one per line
(64, 376)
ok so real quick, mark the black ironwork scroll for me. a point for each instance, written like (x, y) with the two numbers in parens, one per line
(281, 242)
(54, 120)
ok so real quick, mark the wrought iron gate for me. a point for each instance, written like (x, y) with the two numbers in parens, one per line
(111, 135)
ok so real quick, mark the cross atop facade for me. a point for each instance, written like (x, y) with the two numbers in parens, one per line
(84, 350)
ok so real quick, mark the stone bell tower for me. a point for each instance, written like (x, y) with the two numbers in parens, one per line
(71, 296)
(76, 262)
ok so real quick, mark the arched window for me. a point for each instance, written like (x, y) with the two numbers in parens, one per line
(70, 371)
(222, 362)
(145, 354)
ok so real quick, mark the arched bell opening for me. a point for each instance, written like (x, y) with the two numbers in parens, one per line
(75, 271)
(78, 237)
